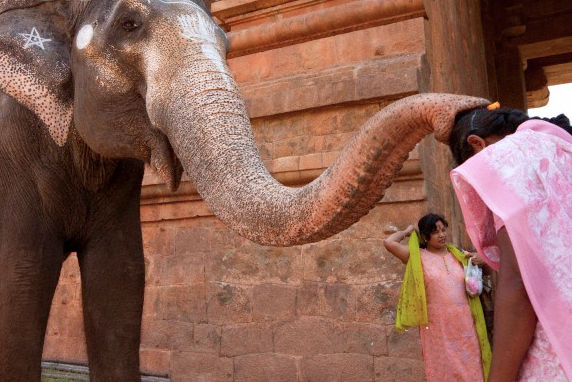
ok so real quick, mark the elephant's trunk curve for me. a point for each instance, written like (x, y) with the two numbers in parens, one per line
(217, 149)
(207, 124)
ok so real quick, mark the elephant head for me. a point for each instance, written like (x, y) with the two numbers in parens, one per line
(148, 79)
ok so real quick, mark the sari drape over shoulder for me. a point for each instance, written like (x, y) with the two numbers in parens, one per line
(526, 180)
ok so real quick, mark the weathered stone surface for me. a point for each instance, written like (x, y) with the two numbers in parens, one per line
(404, 345)
(376, 302)
(366, 339)
(337, 368)
(330, 52)
(253, 263)
(179, 269)
(349, 261)
(182, 303)
(327, 300)
(155, 361)
(244, 339)
(399, 369)
(207, 338)
(308, 336)
(187, 367)
(167, 335)
(267, 367)
(273, 302)
(192, 240)
(229, 304)
(72, 349)
(68, 322)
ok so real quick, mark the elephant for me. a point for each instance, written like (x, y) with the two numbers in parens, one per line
(90, 91)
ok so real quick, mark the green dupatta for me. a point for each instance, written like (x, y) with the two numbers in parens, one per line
(412, 305)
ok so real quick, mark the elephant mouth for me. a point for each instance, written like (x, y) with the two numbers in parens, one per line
(164, 162)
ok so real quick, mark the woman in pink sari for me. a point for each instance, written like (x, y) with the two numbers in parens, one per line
(515, 190)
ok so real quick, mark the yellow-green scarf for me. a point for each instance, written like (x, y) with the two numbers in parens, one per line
(412, 305)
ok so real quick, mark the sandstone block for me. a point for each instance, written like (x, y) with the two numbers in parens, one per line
(207, 338)
(159, 241)
(191, 240)
(182, 303)
(404, 345)
(308, 336)
(155, 361)
(365, 339)
(179, 269)
(273, 302)
(376, 302)
(255, 264)
(72, 349)
(167, 335)
(346, 261)
(335, 301)
(66, 322)
(265, 368)
(188, 366)
(246, 339)
(338, 368)
(398, 369)
(228, 304)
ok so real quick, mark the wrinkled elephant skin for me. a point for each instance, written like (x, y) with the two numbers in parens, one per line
(89, 92)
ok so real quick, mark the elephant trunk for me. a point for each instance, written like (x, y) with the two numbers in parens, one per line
(205, 119)
(217, 149)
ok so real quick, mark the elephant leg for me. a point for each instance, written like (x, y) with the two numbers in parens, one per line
(28, 279)
(113, 280)
(112, 291)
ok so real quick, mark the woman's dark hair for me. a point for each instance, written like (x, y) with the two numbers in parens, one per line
(484, 123)
(428, 224)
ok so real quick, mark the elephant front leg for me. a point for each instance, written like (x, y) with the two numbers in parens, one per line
(28, 279)
(112, 292)
(113, 278)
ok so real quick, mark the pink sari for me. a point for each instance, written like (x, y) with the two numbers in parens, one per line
(526, 181)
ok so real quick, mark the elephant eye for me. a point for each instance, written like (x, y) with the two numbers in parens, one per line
(129, 24)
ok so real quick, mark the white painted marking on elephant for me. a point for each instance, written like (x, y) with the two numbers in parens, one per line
(24, 85)
(197, 27)
(84, 36)
(184, 2)
(34, 39)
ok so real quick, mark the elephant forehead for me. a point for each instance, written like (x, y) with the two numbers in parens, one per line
(197, 26)
(184, 2)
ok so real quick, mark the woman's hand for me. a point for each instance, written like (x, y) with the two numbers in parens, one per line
(409, 229)
(394, 246)
(476, 259)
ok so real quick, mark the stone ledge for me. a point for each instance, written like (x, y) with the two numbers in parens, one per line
(370, 81)
(317, 24)
(56, 371)
(225, 9)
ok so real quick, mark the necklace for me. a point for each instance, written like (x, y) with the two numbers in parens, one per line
(446, 266)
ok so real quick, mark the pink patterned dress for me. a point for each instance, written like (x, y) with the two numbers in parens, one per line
(524, 182)
(450, 344)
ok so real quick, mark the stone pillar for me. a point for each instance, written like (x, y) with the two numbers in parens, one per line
(456, 57)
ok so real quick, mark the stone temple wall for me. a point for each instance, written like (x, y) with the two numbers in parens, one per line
(221, 308)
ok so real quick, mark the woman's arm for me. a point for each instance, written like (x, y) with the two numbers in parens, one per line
(515, 320)
(393, 244)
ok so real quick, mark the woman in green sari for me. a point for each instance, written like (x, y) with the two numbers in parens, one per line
(451, 323)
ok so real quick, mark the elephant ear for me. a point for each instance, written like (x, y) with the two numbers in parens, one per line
(35, 60)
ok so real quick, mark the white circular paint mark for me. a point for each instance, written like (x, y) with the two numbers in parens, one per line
(84, 36)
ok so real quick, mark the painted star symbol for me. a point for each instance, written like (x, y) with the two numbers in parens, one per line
(34, 38)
